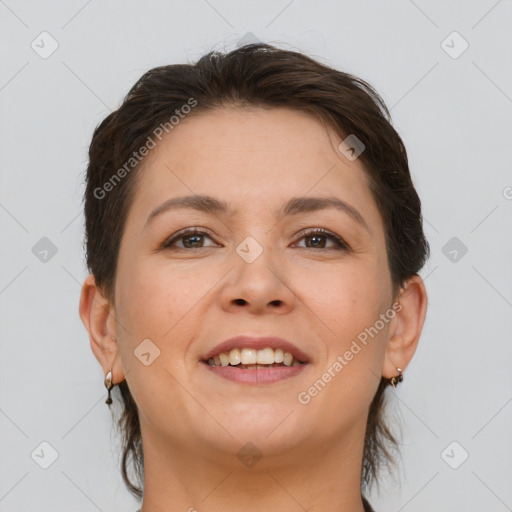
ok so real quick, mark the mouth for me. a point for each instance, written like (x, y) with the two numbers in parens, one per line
(255, 364)
(250, 350)
(254, 359)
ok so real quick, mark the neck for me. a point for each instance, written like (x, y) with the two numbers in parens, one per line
(323, 478)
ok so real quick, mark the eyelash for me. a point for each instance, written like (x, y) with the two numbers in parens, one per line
(341, 244)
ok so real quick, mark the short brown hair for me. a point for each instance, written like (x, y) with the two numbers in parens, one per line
(266, 76)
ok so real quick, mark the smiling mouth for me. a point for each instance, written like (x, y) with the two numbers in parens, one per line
(252, 359)
(255, 366)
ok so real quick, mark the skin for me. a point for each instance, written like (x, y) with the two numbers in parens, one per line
(186, 301)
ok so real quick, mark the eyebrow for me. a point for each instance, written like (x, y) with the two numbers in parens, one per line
(294, 206)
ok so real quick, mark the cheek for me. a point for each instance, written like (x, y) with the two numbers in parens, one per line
(158, 299)
(343, 299)
(347, 305)
(156, 302)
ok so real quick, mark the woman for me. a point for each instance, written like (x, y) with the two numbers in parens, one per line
(253, 239)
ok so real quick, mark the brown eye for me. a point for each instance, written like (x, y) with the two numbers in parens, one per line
(192, 239)
(316, 236)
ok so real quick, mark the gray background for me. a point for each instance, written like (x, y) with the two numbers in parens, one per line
(454, 112)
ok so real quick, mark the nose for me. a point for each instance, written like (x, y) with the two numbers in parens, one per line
(259, 286)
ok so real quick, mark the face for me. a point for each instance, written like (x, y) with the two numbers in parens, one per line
(249, 271)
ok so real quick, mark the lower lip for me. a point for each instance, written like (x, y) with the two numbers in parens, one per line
(258, 375)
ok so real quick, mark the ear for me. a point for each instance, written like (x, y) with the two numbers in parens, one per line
(409, 322)
(98, 316)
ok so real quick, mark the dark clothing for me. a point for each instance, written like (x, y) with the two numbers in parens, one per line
(367, 506)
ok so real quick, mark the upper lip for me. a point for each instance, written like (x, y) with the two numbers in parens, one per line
(257, 343)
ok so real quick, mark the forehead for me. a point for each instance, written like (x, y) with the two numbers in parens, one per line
(244, 131)
(252, 157)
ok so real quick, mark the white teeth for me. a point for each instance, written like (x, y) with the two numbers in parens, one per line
(249, 356)
(266, 356)
(234, 357)
(253, 358)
